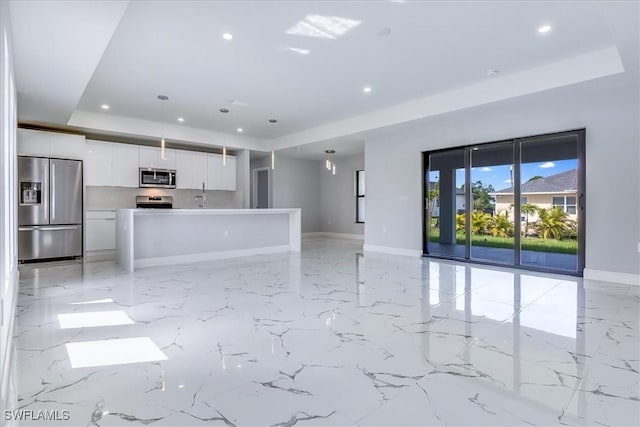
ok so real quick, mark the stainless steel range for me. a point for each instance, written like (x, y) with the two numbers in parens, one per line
(49, 208)
(154, 202)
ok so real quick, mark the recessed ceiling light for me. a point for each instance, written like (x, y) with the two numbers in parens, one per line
(492, 72)
(273, 121)
(224, 110)
(181, 119)
(299, 50)
(384, 31)
(227, 36)
(240, 129)
(330, 151)
(366, 89)
(544, 29)
(104, 107)
(324, 27)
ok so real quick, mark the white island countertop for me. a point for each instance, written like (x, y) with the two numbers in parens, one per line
(155, 237)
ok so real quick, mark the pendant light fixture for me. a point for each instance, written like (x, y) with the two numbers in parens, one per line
(273, 160)
(224, 155)
(162, 143)
(331, 166)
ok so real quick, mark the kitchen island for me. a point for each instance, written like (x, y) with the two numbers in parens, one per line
(155, 237)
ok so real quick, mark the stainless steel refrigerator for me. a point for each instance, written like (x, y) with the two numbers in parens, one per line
(49, 208)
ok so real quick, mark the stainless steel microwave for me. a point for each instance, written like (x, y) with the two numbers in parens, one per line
(157, 178)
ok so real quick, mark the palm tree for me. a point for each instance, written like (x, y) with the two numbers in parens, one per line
(554, 223)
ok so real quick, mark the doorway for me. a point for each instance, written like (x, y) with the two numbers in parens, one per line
(261, 188)
(515, 202)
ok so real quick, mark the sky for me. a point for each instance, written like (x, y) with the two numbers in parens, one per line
(500, 176)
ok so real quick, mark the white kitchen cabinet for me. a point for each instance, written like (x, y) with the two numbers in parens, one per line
(110, 164)
(219, 176)
(149, 157)
(33, 143)
(98, 163)
(184, 169)
(66, 146)
(229, 174)
(191, 169)
(169, 161)
(100, 229)
(125, 165)
(214, 172)
(199, 170)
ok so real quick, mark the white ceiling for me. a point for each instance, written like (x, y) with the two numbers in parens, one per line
(175, 48)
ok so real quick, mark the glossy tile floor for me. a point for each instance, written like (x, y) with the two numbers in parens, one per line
(327, 338)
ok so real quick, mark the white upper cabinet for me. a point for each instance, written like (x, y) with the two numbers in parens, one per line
(219, 175)
(149, 157)
(199, 170)
(191, 169)
(214, 172)
(98, 163)
(66, 146)
(169, 161)
(50, 144)
(34, 143)
(229, 174)
(184, 173)
(125, 165)
(109, 164)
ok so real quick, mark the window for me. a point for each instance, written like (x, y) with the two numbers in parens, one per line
(523, 200)
(360, 197)
(566, 203)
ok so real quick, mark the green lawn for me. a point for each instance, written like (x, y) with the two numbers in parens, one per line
(527, 243)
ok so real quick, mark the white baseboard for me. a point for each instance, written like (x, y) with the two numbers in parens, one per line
(612, 276)
(6, 354)
(313, 234)
(95, 256)
(334, 235)
(207, 256)
(393, 251)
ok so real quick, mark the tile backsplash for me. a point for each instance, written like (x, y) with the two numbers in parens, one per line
(120, 197)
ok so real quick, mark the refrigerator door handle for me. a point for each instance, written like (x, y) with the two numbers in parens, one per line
(47, 228)
(53, 191)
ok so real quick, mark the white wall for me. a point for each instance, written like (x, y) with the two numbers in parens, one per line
(242, 195)
(8, 208)
(607, 108)
(296, 184)
(338, 198)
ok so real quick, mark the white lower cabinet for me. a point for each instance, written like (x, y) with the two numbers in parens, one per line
(100, 229)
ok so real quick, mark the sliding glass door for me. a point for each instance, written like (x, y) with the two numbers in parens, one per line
(516, 202)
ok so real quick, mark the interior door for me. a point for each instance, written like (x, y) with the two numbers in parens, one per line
(66, 191)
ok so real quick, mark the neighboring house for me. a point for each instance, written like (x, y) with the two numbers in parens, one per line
(560, 190)
(435, 204)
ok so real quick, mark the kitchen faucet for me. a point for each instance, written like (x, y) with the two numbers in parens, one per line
(203, 198)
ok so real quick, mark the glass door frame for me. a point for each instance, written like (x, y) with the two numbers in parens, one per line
(516, 143)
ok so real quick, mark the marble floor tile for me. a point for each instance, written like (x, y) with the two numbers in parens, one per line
(328, 337)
